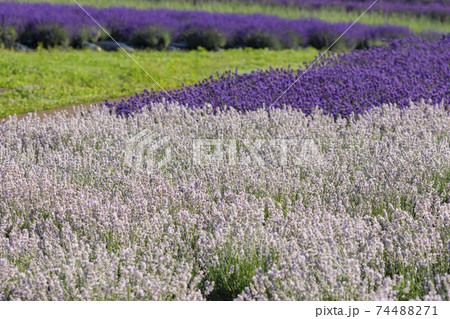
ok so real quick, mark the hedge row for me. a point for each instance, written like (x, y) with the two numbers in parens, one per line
(54, 25)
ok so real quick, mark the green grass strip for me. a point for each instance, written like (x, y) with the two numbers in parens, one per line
(44, 79)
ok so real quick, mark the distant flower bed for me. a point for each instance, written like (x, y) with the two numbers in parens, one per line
(54, 25)
(436, 9)
(404, 70)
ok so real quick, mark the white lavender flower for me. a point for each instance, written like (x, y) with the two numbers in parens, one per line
(369, 222)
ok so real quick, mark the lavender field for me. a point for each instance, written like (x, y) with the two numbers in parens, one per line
(326, 181)
(342, 84)
(363, 215)
(437, 9)
(62, 25)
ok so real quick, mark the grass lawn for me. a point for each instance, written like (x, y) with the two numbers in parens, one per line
(46, 79)
(372, 17)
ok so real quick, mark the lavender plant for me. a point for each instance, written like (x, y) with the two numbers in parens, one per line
(340, 84)
(437, 9)
(155, 28)
(363, 217)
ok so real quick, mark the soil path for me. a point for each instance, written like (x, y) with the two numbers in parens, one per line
(70, 109)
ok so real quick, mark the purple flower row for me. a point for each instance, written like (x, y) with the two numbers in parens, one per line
(437, 9)
(192, 28)
(404, 70)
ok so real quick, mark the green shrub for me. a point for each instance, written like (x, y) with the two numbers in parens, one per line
(259, 40)
(47, 35)
(320, 40)
(94, 35)
(85, 35)
(8, 36)
(116, 34)
(325, 40)
(52, 35)
(79, 38)
(233, 272)
(151, 37)
(363, 44)
(294, 41)
(104, 36)
(208, 39)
